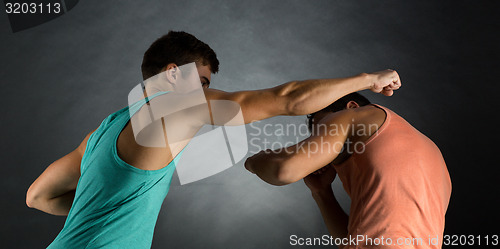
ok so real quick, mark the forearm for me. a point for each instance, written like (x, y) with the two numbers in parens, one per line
(291, 99)
(309, 96)
(335, 218)
(267, 169)
(59, 205)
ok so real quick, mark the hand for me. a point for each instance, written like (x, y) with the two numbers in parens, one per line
(385, 82)
(321, 179)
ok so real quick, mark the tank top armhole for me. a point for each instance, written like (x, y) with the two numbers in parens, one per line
(383, 126)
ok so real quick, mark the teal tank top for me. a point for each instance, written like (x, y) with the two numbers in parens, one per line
(116, 205)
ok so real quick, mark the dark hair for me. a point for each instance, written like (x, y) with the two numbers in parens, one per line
(339, 105)
(180, 48)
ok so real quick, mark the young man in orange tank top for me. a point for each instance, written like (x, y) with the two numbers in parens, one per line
(396, 177)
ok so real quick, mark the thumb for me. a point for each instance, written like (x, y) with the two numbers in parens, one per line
(387, 91)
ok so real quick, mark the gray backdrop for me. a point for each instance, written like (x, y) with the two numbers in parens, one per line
(61, 78)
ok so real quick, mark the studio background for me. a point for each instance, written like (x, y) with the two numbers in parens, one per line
(61, 78)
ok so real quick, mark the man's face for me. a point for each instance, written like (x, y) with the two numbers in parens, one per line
(205, 75)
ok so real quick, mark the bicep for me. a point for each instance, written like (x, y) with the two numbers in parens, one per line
(255, 105)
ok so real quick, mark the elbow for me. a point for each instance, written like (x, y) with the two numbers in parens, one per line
(30, 201)
(281, 179)
(31, 198)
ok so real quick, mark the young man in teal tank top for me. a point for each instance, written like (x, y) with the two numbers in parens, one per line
(111, 188)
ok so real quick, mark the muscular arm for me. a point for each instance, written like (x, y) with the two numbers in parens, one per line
(287, 165)
(54, 190)
(185, 113)
(304, 97)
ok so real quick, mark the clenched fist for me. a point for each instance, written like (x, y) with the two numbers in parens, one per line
(385, 81)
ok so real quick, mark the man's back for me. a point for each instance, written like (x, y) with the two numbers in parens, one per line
(116, 204)
(398, 183)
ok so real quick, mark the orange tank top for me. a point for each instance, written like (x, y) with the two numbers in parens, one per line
(399, 187)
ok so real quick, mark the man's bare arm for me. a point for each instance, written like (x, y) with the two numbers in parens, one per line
(320, 184)
(290, 164)
(185, 114)
(335, 218)
(304, 97)
(54, 190)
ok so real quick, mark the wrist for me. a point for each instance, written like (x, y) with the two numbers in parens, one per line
(367, 79)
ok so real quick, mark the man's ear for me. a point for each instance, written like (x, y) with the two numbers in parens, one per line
(352, 104)
(172, 72)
